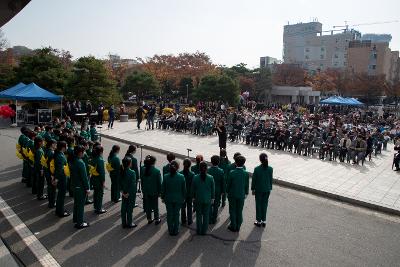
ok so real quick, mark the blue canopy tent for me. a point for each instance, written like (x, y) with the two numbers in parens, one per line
(30, 92)
(338, 100)
(10, 92)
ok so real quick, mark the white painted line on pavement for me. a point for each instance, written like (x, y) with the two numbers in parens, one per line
(40, 252)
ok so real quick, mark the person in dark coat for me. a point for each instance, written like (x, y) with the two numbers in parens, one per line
(111, 117)
(222, 136)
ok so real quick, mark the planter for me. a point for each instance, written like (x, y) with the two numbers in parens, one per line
(123, 118)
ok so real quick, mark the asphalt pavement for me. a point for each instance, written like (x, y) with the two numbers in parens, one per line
(302, 230)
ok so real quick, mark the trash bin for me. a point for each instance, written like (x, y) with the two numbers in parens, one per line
(123, 118)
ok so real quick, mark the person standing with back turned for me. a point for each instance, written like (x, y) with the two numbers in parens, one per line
(173, 193)
(261, 186)
(237, 189)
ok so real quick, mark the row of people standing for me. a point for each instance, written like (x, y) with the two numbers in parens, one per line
(81, 168)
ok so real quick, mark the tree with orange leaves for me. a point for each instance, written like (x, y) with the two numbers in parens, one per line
(290, 75)
(169, 70)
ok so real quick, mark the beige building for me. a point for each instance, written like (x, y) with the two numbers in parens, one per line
(373, 58)
(292, 94)
(304, 44)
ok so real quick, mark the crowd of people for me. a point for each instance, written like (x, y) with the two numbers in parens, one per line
(64, 160)
(348, 135)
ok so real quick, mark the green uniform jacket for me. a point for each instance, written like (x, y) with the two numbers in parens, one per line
(165, 170)
(129, 183)
(219, 179)
(98, 163)
(93, 134)
(70, 153)
(189, 180)
(151, 184)
(224, 163)
(49, 154)
(30, 145)
(116, 165)
(48, 136)
(262, 179)
(79, 176)
(195, 169)
(85, 134)
(38, 156)
(203, 191)
(238, 183)
(86, 160)
(59, 162)
(231, 167)
(22, 140)
(173, 188)
(134, 164)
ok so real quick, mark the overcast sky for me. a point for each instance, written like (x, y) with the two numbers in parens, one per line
(230, 31)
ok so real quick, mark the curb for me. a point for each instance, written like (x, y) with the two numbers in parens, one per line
(280, 182)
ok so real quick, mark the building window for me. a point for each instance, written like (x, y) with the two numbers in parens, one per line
(307, 57)
(307, 49)
(322, 56)
(336, 56)
(375, 55)
(322, 49)
(372, 67)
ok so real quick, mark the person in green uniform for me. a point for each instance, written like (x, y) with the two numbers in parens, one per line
(261, 186)
(94, 136)
(86, 160)
(23, 138)
(60, 178)
(196, 168)
(219, 181)
(51, 188)
(80, 183)
(173, 193)
(70, 156)
(85, 133)
(188, 204)
(30, 147)
(48, 134)
(39, 170)
(167, 167)
(237, 189)
(115, 174)
(224, 162)
(128, 193)
(151, 188)
(130, 153)
(98, 179)
(203, 190)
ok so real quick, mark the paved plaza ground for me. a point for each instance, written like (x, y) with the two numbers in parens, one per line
(374, 183)
(302, 229)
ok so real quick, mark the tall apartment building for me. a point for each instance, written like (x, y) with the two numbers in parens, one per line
(374, 58)
(304, 44)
